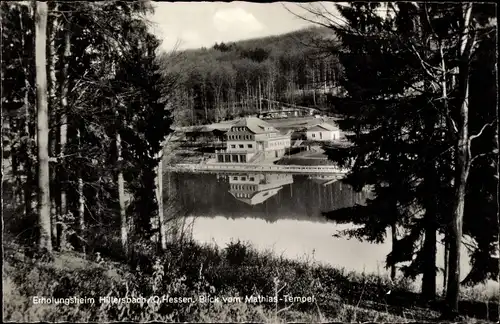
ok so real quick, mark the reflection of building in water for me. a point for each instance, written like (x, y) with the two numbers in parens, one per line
(324, 179)
(255, 188)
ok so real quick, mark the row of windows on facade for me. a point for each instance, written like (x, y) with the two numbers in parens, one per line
(271, 144)
(241, 146)
(243, 195)
(247, 137)
(240, 137)
(244, 178)
(227, 158)
(247, 195)
(243, 187)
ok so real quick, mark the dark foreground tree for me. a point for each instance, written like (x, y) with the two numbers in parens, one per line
(407, 71)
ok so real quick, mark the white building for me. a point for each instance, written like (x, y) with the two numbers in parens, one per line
(255, 188)
(323, 132)
(250, 140)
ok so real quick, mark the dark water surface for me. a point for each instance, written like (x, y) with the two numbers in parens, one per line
(278, 212)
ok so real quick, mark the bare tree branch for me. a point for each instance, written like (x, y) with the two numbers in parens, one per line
(481, 131)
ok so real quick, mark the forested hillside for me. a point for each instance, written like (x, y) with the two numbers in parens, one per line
(228, 79)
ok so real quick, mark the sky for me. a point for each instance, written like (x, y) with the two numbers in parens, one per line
(186, 25)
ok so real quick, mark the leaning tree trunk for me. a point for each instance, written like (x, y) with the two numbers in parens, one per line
(44, 239)
(162, 230)
(121, 196)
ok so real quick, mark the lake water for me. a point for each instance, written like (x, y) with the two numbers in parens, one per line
(280, 212)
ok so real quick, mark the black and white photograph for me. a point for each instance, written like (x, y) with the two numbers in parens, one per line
(250, 162)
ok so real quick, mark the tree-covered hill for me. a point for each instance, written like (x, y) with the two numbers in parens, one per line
(228, 79)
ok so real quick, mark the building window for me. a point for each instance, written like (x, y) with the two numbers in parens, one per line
(250, 145)
(235, 178)
(313, 135)
(220, 158)
(242, 146)
(228, 158)
(235, 158)
(233, 146)
(243, 178)
(243, 158)
(252, 179)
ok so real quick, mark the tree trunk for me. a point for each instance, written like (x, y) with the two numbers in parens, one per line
(205, 107)
(159, 197)
(260, 98)
(431, 184)
(121, 196)
(44, 239)
(452, 293)
(314, 86)
(54, 115)
(497, 140)
(63, 135)
(269, 93)
(462, 164)
(445, 271)
(429, 275)
(28, 192)
(393, 242)
(191, 92)
(81, 201)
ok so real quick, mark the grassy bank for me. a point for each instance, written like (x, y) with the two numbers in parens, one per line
(194, 270)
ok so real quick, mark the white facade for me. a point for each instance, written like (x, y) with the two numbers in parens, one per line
(250, 137)
(323, 132)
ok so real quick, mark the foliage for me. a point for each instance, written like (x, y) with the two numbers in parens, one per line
(404, 145)
(114, 86)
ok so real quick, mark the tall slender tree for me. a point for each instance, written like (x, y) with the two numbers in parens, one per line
(44, 221)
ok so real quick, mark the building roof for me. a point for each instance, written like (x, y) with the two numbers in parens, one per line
(255, 125)
(325, 126)
(197, 129)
